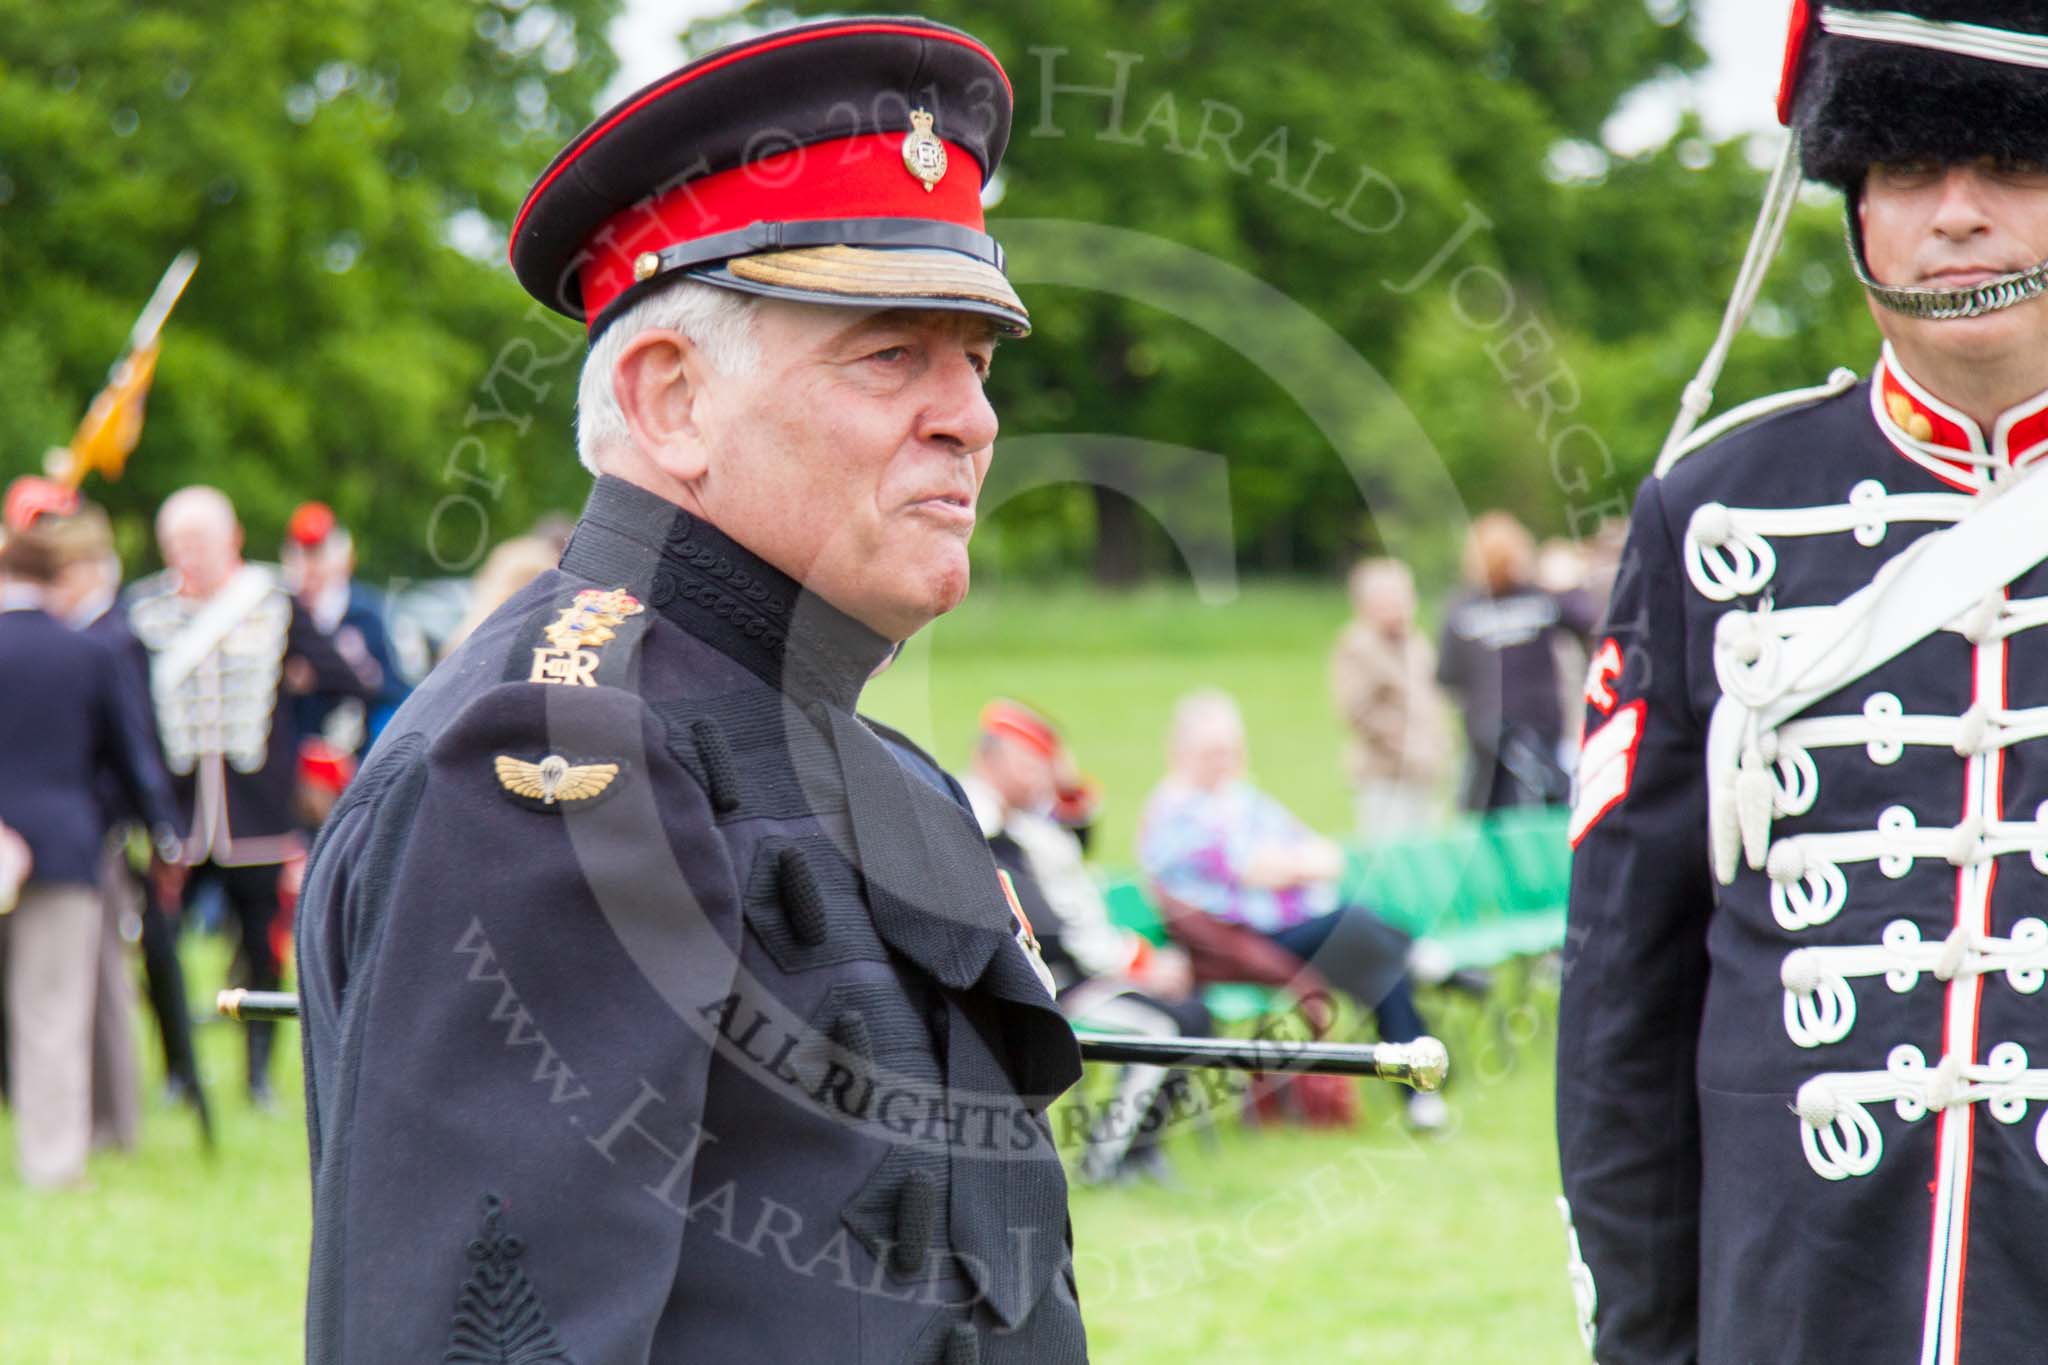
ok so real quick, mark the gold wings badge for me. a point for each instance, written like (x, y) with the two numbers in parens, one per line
(554, 779)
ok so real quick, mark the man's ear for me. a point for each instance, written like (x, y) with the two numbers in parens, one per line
(659, 385)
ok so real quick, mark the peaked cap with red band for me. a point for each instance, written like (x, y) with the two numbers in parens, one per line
(840, 162)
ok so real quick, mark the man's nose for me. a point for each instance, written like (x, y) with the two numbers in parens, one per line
(959, 413)
(1961, 211)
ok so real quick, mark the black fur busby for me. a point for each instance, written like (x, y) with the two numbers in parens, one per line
(1860, 103)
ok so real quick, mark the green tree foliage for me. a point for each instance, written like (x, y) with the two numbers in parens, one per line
(323, 159)
(1293, 230)
(1332, 152)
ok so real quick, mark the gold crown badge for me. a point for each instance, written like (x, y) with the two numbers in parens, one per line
(924, 156)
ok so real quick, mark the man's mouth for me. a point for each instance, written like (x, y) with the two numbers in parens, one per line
(952, 508)
(1961, 276)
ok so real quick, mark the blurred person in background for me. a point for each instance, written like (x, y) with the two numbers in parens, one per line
(510, 566)
(1383, 679)
(319, 560)
(69, 723)
(1499, 660)
(230, 649)
(1562, 569)
(87, 594)
(1602, 552)
(1211, 841)
(553, 530)
(84, 596)
(1023, 781)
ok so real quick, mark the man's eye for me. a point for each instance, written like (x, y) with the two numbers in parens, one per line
(2018, 167)
(1919, 168)
(889, 355)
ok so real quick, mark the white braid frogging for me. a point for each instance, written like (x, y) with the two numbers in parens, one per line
(1728, 555)
(1841, 1138)
(1770, 773)
(1820, 1006)
(1807, 884)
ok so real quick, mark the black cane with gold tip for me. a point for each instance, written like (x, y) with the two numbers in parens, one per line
(1421, 1063)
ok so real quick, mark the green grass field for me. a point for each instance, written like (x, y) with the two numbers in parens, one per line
(1277, 1246)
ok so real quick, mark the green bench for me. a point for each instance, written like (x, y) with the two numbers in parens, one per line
(1485, 891)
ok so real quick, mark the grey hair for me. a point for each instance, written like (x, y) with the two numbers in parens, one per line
(197, 502)
(721, 323)
(1200, 713)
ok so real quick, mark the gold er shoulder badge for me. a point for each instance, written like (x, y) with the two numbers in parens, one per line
(570, 656)
(554, 779)
(923, 154)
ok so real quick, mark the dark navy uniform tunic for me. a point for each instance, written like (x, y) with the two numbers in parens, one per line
(1803, 1054)
(659, 1009)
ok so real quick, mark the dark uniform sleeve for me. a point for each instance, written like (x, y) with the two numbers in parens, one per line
(132, 753)
(332, 674)
(1453, 655)
(1635, 968)
(510, 982)
(391, 686)
(1577, 614)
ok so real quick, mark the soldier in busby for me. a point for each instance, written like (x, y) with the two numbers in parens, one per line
(658, 1007)
(1803, 1082)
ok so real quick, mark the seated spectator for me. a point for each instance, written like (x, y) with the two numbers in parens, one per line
(1383, 678)
(1113, 978)
(1212, 842)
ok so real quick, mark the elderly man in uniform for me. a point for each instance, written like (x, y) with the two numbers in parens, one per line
(658, 1007)
(228, 649)
(1803, 1093)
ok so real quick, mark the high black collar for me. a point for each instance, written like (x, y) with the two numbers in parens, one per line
(723, 594)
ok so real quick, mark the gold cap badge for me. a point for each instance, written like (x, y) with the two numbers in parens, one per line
(924, 156)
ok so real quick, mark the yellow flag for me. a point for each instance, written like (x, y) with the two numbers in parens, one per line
(113, 424)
